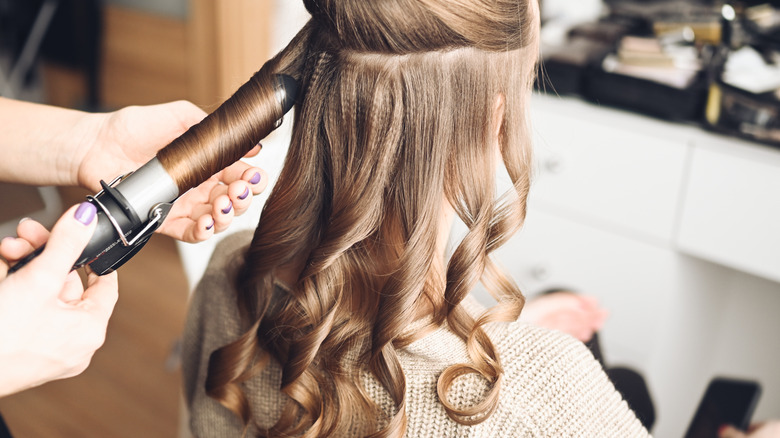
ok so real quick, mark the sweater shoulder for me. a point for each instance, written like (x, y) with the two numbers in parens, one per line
(562, 388)
(212, 322)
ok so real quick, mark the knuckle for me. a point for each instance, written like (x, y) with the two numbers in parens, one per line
(95, 340)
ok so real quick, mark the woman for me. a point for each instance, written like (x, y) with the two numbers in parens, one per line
(343, 317)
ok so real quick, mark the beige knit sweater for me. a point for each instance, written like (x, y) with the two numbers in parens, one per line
(553, 387)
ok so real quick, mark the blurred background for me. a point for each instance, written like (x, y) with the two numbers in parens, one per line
(657, 185)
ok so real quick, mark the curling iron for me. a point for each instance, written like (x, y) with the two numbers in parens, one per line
(132, 206)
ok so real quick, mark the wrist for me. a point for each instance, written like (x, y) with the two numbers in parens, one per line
(43, 143)
(16, 375)
(84, 141)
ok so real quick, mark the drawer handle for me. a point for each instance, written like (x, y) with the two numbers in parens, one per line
(554, 165)
(540, 272)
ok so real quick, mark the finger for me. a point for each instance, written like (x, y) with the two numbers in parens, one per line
(101, 295)
(589, 303)
(603, 314)
(240, 195)
(255, 176)
(216, 192)
(72, 291)
(584, 334)
(191, 226)
(222, 213)
(257, 179)
(186, 112)
(729, 431)
(200, 230)
(232, 172)
(33, 232)
(255, 150)
(31, 235)
(68, 238)
(12, 248)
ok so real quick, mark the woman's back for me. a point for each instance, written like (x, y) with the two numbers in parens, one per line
(553, 387)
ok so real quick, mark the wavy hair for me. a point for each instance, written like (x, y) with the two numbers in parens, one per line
(395, 119)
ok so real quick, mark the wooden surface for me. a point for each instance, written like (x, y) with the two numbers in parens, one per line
(243, 40)
(18, 201)
(149, 59)
(202, 31)
(127, 390)
(145, 58)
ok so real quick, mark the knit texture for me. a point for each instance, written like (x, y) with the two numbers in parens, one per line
(553, 387)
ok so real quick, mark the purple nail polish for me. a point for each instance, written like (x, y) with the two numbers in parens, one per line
(227, 209)
(245, 194)
(85, 213)
(255, 179)
(211, 226)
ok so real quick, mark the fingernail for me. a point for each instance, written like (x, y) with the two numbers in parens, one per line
(85, 213)
(24, 219)
(260, 145)
(246, 193)
(227, 209)
(255, 179)
(211, 226)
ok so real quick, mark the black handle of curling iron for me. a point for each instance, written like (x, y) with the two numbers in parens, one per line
(20, 264)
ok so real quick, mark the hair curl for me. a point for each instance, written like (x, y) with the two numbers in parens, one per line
(396, 118)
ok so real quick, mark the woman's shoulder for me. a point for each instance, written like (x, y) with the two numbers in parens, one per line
(214, 295)
(562, 386)
(522, 342)
(523, 345)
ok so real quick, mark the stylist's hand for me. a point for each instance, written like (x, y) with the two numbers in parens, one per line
(578, 315)
(50, 326)
(122, 141)
(770, 429)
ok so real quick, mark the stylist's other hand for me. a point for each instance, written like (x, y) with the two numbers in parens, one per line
(50, 326)
(770, 429)
(578, 315)
(210, 207)
(126, 139)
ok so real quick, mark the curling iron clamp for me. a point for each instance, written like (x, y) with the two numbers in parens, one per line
(132, 206)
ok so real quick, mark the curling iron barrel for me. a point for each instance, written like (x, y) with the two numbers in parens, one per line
(133, 206)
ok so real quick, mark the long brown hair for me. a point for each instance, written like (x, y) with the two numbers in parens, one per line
(395, 118)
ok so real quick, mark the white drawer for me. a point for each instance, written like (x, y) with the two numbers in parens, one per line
(731, 213)
(598, 169)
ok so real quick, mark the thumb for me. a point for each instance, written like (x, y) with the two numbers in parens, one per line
(68, 238)
(186, 112)
(729, 431)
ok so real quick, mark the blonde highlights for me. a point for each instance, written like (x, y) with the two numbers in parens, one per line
(396, 118)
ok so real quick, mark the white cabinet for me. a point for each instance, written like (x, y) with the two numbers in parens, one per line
(609, 174)
(675, 230)
(677, 186)
(732, 208)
